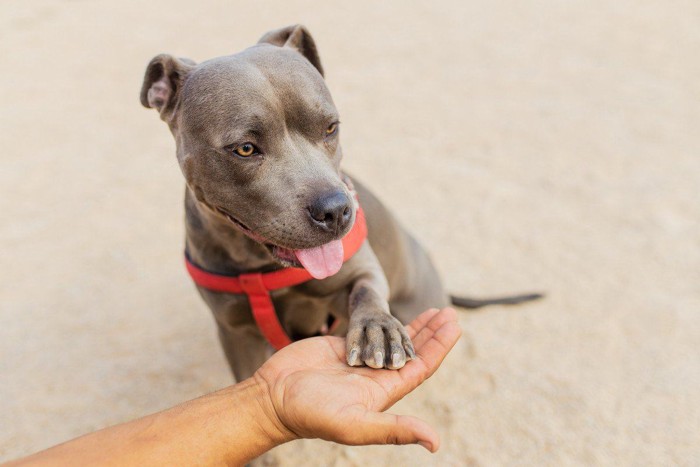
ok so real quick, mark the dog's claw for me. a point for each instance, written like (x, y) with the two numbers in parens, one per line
(352, 358)
(411, 353)
(396, 361)
(378, 359)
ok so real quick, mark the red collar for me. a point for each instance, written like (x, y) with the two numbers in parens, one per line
(257, 286)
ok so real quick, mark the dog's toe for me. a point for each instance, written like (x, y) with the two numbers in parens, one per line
(353, 357)
(397, 356)
(379, 342)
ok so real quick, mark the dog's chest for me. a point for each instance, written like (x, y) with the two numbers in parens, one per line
(304, 315)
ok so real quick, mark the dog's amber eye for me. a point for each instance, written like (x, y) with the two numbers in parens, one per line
(245, 150)
(331, 129)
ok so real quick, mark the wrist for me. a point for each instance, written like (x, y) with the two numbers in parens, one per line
(266, 414)
(248, 424)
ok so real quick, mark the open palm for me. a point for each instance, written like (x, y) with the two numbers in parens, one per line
(315, 394)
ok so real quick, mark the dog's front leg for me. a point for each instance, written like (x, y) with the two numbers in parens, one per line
(374, 337)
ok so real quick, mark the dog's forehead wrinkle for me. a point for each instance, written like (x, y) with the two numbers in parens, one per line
(296, 83)
(244, 127)
(225, 81)
(229, 98)
(258, 91)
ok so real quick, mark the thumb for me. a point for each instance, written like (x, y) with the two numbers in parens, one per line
(386, 428)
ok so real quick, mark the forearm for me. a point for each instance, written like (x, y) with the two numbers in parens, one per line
(230, 427)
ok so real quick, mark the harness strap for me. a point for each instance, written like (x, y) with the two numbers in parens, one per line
(257, 286)
(264, 310)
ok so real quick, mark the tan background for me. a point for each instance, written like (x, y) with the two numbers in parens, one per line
(548, 145)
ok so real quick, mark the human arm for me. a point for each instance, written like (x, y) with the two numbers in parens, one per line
(305, 390)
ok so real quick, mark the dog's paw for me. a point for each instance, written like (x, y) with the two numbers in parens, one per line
(378, 341)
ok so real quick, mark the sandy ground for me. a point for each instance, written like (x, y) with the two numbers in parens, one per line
(551, 146)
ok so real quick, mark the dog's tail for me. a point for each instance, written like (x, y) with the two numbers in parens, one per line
(472, 303)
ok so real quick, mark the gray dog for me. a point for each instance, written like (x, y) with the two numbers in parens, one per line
(257, 138)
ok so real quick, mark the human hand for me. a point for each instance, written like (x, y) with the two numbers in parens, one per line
(305, 390)
(313, 393)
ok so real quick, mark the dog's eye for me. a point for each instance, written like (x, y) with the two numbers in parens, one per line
(246, 150)
(331, 130)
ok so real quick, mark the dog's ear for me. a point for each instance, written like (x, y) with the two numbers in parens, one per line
(162, 82)
(299, 39)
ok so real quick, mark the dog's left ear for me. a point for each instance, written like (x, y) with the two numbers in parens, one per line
(162, 82)
(298, 38)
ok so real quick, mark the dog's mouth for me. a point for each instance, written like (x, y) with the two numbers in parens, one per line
(321, 262)
(240, 225)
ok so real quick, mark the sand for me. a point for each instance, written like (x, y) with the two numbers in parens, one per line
(547, 146)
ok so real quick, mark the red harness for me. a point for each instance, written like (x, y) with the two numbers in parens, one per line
(257, 286)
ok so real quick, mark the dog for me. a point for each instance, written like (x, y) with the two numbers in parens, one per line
(258, 141)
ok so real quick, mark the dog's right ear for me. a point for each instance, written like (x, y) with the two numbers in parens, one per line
(162, 83)
(298, 38)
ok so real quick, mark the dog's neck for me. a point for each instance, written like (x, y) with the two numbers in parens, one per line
(214, 244)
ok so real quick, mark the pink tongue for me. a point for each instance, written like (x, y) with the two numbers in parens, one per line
(323, 261)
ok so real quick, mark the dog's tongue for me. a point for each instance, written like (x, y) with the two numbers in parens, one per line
(323, 261)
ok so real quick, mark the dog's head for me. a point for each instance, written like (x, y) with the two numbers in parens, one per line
(257, 140)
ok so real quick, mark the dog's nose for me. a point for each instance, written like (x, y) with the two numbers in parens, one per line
(332, 211)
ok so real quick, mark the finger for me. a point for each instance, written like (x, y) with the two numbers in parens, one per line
(385, 428)
(438, 319)
(437, 339)
(337, 344)
(433, 350)
(421, 320)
